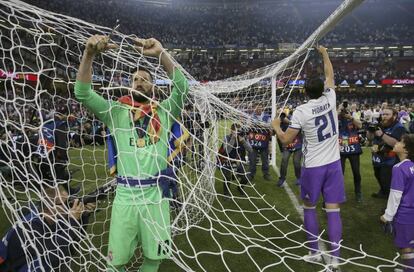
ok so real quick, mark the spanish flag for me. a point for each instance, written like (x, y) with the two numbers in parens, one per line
(112, 156)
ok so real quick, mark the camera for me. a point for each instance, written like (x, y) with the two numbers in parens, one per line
(241, 132)
(99, 194)
(282, 116)
(344, 110)
(343, 113)
(373, 127)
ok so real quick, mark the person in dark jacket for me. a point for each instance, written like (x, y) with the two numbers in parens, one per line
(52, 229)
(232, 159)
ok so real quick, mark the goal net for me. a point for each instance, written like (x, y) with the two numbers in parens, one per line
(48, 139)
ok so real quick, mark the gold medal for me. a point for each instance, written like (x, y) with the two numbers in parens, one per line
(141, 142)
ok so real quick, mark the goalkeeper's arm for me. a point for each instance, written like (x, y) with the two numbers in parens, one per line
(153, 48)
(94, 45)
(83, 91)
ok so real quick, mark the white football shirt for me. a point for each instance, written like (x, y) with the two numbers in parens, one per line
(318, 120)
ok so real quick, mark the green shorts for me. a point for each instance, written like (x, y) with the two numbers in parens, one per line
(146, 225)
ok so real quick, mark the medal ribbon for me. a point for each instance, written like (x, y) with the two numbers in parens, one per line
(151, 118)
(141, 128)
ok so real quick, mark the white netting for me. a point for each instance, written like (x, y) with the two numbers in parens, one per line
(211, 231)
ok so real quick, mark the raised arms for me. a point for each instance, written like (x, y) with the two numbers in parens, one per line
(328, 69)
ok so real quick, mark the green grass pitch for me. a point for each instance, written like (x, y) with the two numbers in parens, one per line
(218, 247)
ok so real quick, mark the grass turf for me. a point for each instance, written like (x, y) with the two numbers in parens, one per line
(218, 243)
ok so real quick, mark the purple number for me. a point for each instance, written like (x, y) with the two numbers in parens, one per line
(322, 122)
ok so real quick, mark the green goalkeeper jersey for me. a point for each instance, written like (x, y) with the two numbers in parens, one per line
(133, 161)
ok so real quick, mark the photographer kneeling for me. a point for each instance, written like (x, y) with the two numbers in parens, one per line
(384, 138)
(52, 230)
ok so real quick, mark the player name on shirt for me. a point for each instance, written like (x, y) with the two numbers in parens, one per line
(319, 124)
(320, 109)
(140, 143)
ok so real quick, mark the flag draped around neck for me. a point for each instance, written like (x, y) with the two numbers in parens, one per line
(138, 111)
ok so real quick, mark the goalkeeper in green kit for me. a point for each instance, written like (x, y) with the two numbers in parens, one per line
(140, 131)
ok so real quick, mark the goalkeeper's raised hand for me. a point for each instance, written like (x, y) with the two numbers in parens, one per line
(97, 44)
(149, 47)
(153, 48)
(94, 45)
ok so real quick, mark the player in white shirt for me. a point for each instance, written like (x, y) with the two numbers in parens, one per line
(321, 172)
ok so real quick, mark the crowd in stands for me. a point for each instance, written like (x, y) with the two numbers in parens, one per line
(24, 117)
(84, 129)
(351, 67)
(245, 25)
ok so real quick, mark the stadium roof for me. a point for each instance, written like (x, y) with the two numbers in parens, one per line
(254, 2)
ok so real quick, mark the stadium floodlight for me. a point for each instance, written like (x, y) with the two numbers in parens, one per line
(156, 2)
(407, 47)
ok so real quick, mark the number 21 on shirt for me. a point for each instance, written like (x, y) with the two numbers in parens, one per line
(324, 130)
